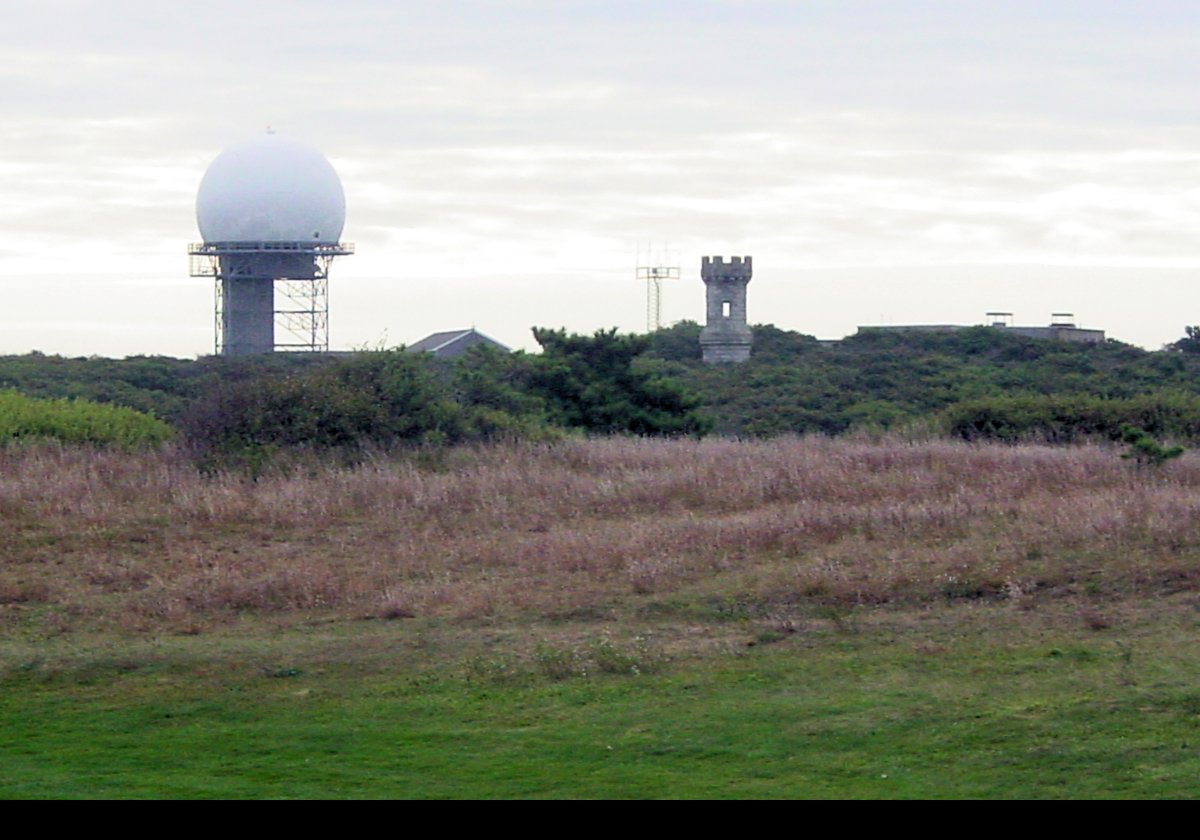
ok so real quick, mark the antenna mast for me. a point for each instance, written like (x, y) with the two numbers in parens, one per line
(654, 270)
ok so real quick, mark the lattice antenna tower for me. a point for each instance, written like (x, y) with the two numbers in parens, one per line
(655, 267)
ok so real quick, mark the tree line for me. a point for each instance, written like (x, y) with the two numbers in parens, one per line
(979, 383)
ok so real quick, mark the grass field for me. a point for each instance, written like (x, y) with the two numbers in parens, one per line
(609, 618)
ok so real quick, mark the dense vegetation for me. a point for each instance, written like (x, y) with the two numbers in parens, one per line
(794, 383)
(158, 385)
(594, 384)
(1074, 418)
(977, 384)
(379, 400)
(77, 421)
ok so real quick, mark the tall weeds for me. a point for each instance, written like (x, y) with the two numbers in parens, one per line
(141, 540)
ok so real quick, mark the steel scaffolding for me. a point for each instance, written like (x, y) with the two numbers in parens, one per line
(298, 273)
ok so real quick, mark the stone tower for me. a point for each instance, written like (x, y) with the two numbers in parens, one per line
(726, 336)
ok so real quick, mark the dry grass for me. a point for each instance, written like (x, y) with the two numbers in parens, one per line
(603, 527)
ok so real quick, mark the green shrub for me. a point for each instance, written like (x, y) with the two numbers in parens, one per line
(373, 399)
(600, 385)
(1145, 449)
(78, 421)
(1067, 419)
(494, 392)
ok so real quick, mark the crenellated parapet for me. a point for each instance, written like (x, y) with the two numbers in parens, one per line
(738, 269)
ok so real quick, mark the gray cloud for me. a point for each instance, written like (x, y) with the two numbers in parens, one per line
(546, 140)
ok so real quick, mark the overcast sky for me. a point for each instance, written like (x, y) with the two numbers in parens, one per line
(504, 163)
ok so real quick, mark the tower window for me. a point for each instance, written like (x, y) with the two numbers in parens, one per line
(726, 308)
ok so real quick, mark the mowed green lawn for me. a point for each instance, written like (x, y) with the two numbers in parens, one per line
(961, 701)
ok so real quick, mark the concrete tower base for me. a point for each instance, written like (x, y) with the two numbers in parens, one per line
(716, 350)
(248, 315)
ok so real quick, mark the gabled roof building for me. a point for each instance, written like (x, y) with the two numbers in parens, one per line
(447, 345)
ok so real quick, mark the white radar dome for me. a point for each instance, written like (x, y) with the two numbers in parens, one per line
(271, 189)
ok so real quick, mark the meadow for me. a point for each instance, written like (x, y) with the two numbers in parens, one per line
(605, 617)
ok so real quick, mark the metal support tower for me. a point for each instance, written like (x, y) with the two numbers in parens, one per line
(305, 316)
(654, 275)
(263, 285)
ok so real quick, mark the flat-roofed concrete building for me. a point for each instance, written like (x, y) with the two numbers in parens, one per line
(1060, 328)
